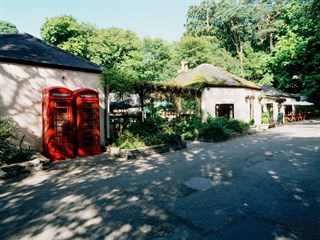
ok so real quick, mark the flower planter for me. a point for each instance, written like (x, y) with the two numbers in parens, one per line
(147, 151)
(264, 126)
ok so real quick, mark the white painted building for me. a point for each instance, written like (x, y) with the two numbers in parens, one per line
(229, 102)
(28, 65)
(224, 94)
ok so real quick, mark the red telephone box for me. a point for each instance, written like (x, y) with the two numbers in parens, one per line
(87, 122)
(57, 123)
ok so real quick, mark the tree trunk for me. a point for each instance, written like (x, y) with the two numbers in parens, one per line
(107, 107)
(271, 42)
(240, 53)
(141, 98)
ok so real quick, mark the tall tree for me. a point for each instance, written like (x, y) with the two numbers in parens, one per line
(7, 27)
(60, 29)
(65, 32)
(235, 27)
(157, 55)
(229, 21)
(79, 44)
(256, 66)
(194, 50)
(269, 20)
(111, 47)
(200, 19)
(296, 59)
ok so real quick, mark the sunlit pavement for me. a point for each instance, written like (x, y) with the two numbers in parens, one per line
(263, 186)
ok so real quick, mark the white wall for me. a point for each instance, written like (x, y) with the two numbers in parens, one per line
(235, 96)
(20, 95)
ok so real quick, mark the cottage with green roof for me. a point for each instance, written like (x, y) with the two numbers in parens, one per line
(223, 94)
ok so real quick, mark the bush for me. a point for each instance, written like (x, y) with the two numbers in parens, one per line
(189, 135)
(265, 118)
(189, 127)
(128, 140)
(218, 129)
(153, 131)
(219, 121)
(237, 125)
(245, 126)
(17, 155)
(234, 126)
(251, 121)
(156, 130)
(9, 153)
(212, 131)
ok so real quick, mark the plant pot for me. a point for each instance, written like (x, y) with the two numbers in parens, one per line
(264, 126)
(253, 127)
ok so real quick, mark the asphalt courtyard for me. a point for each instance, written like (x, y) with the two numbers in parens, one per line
(261, 186)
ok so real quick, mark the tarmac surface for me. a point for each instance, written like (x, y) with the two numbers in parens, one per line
(261, 186)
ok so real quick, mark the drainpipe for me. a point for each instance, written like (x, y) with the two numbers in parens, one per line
(107, 114)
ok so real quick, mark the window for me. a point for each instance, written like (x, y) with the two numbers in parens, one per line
(225, 110)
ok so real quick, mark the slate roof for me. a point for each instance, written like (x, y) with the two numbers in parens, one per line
(27, 49)
(208, 75)
(273, 92)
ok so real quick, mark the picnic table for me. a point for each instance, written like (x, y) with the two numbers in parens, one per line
(292, 117)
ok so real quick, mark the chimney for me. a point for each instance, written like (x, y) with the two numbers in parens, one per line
(184, 66)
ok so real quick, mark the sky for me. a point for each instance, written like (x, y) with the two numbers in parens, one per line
(147, 18)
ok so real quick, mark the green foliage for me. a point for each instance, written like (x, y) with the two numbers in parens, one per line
(17, 155)
(7, 28)
(117, 80)
(213, 132)
(157, 130)
(65, 32)
(9, 153)
(194, 50)
(268, 19)
(127, 140)
(276, 42)
(200, 19)
(220, 121)
(243, 126)
(189, 103)
(265, 117)
(236, 26)
(269, 42)
(312, 111)
(256, 66)
(235, 125)
(157, 56)
(152, 131)
(251, 121)
(218, 129)
(8, 134)
(224, 59)
(295, 61)
(58, 30)
(204, 49)
(189, 127)
(136, 65)
(114, 47)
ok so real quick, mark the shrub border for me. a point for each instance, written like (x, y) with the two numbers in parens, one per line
(128, 154)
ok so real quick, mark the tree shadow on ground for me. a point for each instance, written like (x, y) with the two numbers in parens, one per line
(99, 198)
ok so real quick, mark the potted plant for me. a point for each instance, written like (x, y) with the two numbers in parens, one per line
(251, 124)
(264, 121)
